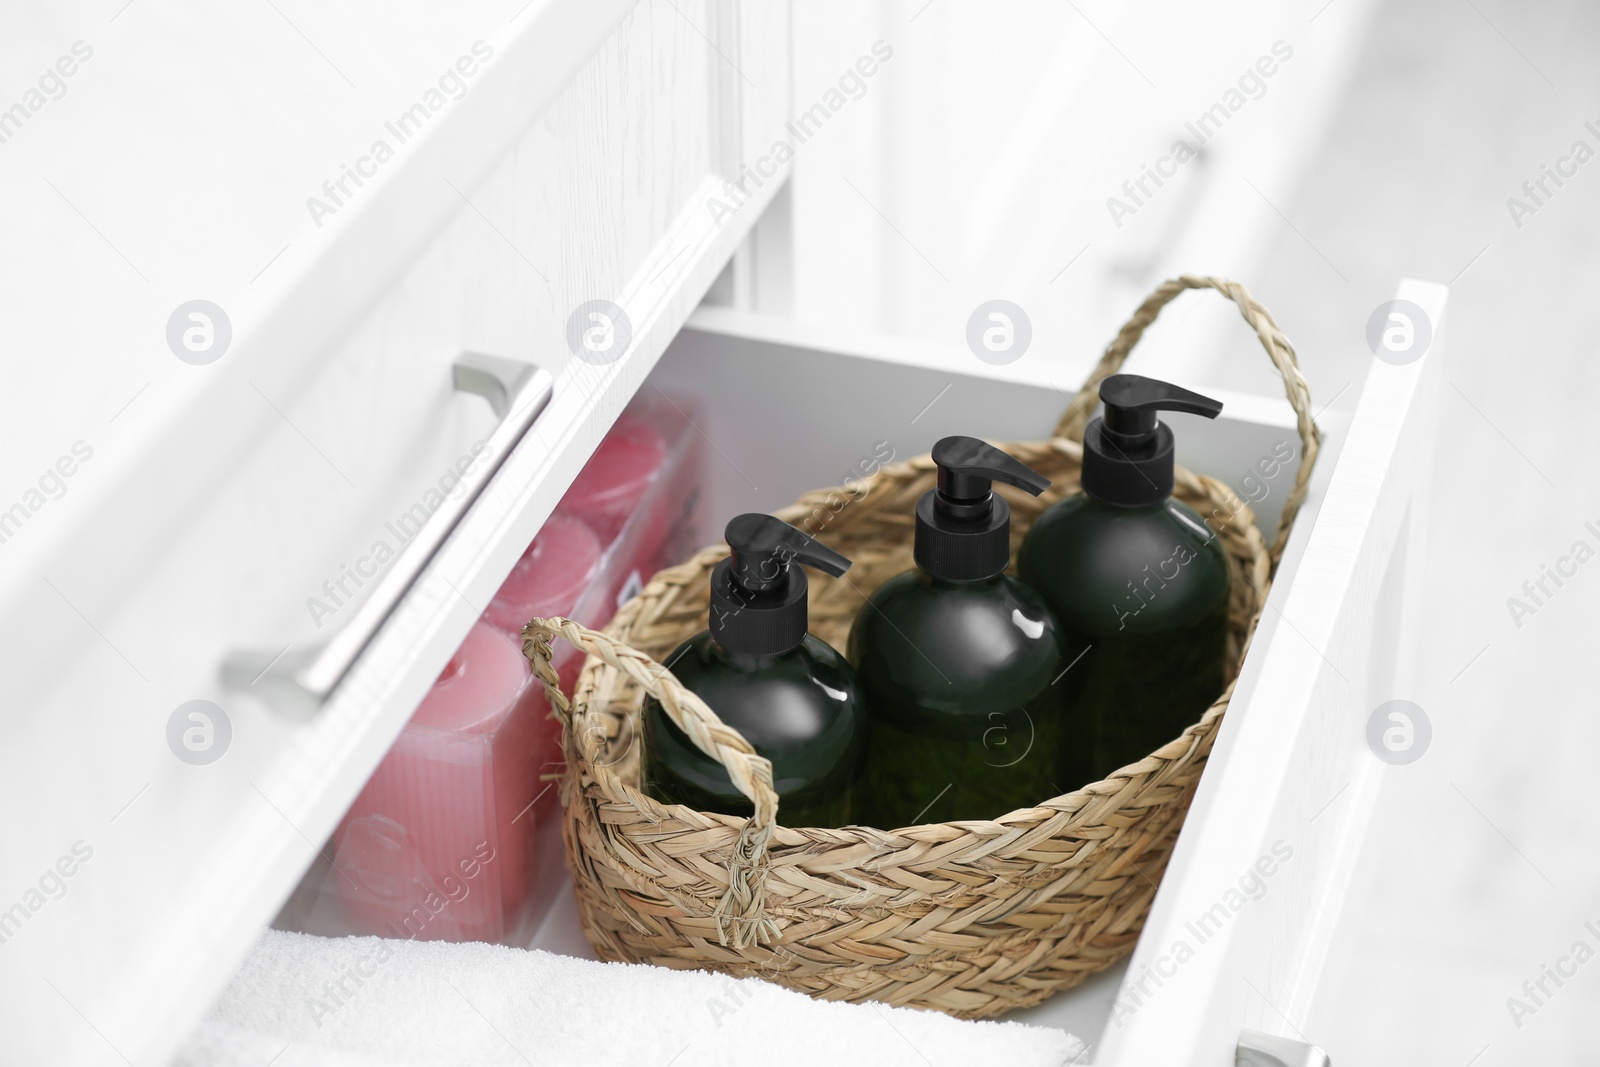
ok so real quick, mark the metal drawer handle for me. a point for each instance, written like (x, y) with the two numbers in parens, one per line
(1257, 1049)
(297, 682)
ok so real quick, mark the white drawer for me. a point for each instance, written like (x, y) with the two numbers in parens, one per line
(218, 502)
(1045, 169)
(1291, 782)
(1290, 763)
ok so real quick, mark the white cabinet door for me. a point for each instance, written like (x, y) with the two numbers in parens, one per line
(536, 157)
(1028, 151)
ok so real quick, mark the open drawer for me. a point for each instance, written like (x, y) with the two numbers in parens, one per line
(1240, 928)
(786, 407)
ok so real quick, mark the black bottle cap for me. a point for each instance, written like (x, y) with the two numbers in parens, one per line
(1127, 453)
(963, 529)
(758, 601)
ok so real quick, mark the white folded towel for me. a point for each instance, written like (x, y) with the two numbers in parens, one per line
(303, 1001)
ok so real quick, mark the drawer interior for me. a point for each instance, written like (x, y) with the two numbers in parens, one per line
(784, 408)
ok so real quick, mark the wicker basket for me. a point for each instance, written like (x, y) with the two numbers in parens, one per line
(970, 918)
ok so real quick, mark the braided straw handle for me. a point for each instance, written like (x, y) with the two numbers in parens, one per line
(743, 905)
(1279, 350)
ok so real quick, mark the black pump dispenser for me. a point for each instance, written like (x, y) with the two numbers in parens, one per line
(963, 529)
(789, 693)
(956, 660)
(758, 600)
(1128, 453)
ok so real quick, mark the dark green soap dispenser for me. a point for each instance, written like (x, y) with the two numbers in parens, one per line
(1136, 579)
(790, 694)
(957, 661)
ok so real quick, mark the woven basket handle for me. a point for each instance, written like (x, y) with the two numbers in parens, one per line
(742, 906)
(1279, 350)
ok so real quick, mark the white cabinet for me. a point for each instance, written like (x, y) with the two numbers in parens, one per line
(226, 504)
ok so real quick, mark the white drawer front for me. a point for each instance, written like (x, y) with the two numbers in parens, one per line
(1051, 177)
(233, 495)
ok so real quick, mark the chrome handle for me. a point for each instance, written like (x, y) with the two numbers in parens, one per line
(1257, 1049)
(298, 682)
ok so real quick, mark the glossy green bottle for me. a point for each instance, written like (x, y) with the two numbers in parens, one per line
(1138, 582)
(958, 663)
(788, 693)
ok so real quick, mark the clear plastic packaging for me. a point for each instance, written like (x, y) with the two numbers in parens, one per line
(455, 837)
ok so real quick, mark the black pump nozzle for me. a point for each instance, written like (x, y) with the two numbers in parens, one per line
(758, 601)
(1128, 453)
(1132, 401)
(760, 548)
(963, 529)
(967, 467)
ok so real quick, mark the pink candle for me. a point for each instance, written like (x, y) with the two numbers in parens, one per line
(439, 845)
(616, 477)
(549, 580)
(652, 537)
